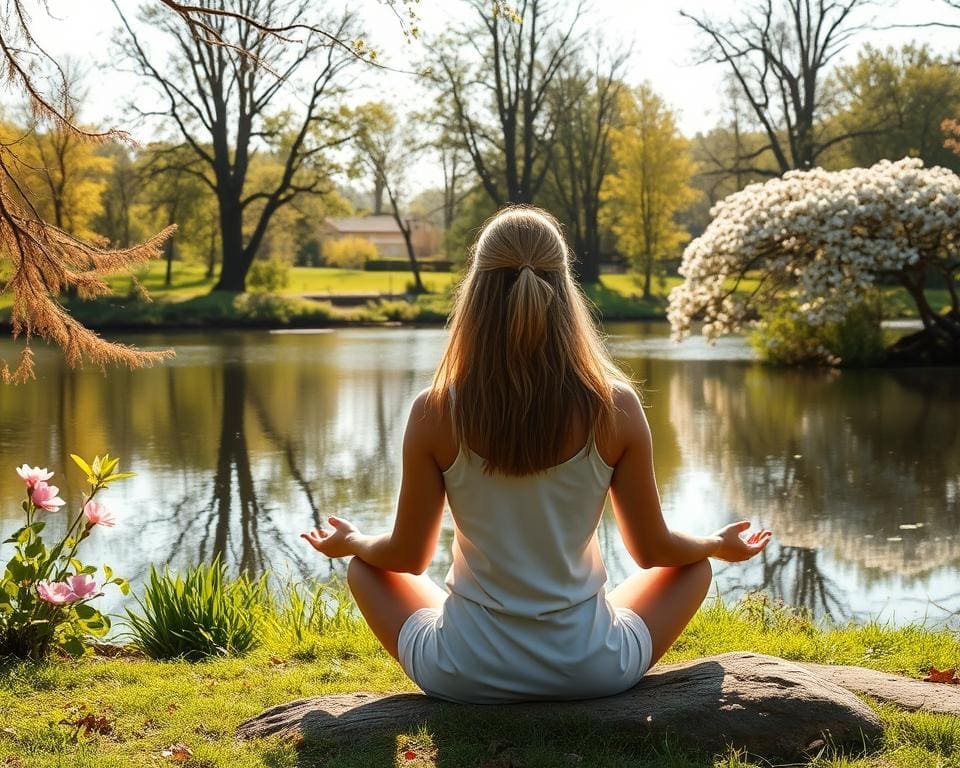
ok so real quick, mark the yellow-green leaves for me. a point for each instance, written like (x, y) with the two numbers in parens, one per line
(102, 471)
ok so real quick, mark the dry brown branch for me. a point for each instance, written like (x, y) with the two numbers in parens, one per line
(40, 259)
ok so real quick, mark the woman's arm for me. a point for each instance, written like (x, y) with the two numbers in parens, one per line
(410, 546)
(636, 504)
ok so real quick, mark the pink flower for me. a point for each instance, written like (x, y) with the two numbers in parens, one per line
(33, 475)
(56, 592)
(77, 587)
(82, 586)
(45, 497)
(98, 514)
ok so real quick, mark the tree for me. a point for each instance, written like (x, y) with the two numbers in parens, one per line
(588, 91)
(119, 195)
(172, 194)
(819, 241)
(66, 172)
(221, 98)
(779, 54)
(41, 260)
(904, 95)
(499, 100)
(386, 150)
(651, 183)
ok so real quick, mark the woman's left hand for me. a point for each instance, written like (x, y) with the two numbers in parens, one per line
(336, 543)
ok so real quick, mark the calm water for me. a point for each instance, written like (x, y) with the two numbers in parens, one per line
(248, 438)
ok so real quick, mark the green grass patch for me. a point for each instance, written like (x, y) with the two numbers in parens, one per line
(189, 303)
(316, 645)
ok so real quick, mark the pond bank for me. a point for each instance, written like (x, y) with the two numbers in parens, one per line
(148, 707)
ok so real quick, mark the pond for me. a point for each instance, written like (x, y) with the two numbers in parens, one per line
(248, 438)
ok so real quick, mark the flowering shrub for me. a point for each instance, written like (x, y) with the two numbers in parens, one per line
(819, 240)
(45, 592)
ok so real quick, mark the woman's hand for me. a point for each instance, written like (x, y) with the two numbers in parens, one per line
(336, 543)
(735, 549)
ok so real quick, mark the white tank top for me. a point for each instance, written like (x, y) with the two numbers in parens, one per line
(527, 546)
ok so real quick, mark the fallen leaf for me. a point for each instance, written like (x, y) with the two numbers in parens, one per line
(276, 661)
(171, 707)
(942, 676)
(90, 723)
(410, 755)
(8, 732)
(178, 752)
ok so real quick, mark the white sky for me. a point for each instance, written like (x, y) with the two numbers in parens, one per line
(664, 47)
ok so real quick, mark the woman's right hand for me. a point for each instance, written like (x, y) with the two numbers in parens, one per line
(733, 548)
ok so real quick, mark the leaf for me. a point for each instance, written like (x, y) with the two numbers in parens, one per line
(82, 464)
(942, 676)
(96, 466)
(107, 572)
(91, 723)
(178, 752)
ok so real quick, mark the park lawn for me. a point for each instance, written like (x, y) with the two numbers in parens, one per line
(151, 705)
(188, 301)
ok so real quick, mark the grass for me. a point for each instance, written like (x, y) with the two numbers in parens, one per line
(152, 705)
(188, 302)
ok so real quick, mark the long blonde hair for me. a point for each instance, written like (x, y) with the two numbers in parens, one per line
(524, 359)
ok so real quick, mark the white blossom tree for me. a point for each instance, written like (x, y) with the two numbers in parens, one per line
(818, 240)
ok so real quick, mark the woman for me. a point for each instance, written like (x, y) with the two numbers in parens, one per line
(527, 427)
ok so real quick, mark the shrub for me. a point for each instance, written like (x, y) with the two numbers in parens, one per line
(268, 276)
(45, 593)
(199, 614)
(786, 337)
(348, 252)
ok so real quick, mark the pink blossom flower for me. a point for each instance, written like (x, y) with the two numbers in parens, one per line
(98, 514)
(56, 592)
(45, 497)
(33, 475)
(77, 587)
(82, 586)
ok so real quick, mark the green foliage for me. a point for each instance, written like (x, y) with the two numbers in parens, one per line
(784, 337)
(199, 614)
(349, 252)
(895, 103)
(268, 276)
(45, 592)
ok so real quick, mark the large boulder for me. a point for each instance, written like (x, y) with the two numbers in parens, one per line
(772, 708)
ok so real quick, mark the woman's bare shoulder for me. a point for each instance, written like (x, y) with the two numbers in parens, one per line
(431, 425)
(629, 423)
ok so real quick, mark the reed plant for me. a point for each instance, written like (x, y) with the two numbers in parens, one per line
(198, 614)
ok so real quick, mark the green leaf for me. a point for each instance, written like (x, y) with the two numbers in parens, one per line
(124, 586)
(82, 464)
(96, 466)
(107, 572)
(117, 476)
(85, 611)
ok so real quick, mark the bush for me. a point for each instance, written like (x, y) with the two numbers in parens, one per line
(785, 337)
(349, 252)
(268, 276)
(198, 615)
(45, 593)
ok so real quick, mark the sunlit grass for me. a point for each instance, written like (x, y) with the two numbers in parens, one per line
(314, 646)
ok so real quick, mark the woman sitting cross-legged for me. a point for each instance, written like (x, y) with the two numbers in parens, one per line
(526, 429)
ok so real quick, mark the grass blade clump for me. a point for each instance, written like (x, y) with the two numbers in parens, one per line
(198, 614)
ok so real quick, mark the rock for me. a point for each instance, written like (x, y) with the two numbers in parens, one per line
(905, 692)
(770, 707)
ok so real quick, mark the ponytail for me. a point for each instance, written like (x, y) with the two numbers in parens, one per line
(528, 302)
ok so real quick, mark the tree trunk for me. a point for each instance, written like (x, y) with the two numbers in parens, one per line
(418, 286)
(234, 263)
(647, 274)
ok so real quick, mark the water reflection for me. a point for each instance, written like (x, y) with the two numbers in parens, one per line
(246, 439)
